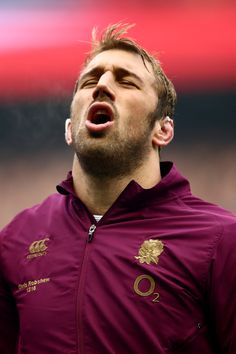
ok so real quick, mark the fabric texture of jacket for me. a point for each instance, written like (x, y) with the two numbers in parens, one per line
(157, 274)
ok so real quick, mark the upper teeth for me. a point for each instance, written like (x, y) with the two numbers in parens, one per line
(101, 111)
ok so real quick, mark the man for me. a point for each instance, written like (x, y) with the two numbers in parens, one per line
(123, 259)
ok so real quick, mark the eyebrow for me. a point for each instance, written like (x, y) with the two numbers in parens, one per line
(118, 71)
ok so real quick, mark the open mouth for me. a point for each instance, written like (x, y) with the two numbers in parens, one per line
(100, 117)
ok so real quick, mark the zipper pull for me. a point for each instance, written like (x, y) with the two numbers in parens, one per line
(91, 232)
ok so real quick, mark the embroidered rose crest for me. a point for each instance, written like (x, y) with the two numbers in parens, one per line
(150, 251)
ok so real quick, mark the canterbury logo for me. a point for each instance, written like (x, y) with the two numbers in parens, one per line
(38, 246)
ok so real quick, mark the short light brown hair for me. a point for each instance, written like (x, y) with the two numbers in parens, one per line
(112, 38)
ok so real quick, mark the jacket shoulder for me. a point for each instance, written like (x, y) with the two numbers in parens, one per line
(221, 221)
(209, 209)
(51, 205)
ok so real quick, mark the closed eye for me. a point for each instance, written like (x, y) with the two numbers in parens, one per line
(88, 83)
(128, 83)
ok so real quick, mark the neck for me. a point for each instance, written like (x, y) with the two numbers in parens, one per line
(99, 194)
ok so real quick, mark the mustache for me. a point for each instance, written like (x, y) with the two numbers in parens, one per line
(103, 98)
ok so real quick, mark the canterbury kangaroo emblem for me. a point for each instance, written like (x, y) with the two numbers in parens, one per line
(38, 248)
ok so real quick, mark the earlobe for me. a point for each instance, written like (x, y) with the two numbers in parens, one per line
(163, 132)
(68, 134)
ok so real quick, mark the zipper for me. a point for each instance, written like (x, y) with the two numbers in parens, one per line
(82, 282)
(91, 232)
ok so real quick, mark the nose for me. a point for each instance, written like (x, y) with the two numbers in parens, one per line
(104, 87)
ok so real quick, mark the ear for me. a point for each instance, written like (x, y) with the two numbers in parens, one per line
(68, 133)
(163, 132)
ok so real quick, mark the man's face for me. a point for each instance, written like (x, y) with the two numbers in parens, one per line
(112, 113)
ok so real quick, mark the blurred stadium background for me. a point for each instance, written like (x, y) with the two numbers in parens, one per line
(42, 45)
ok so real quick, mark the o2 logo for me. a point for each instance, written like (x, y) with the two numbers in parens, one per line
(145, 285)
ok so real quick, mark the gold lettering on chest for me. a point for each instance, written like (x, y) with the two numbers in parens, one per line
(32, 285)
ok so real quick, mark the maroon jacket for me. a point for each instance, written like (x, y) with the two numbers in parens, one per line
(157, 274)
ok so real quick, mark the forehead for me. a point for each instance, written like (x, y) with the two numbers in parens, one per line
(116, 58)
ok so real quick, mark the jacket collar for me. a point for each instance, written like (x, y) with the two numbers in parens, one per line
(172, 185)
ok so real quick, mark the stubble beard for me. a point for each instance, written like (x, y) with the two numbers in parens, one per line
(113, 156)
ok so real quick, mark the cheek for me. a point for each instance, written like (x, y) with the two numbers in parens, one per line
(138, 115)
(141, 105)
(135, 124)
(76, 105)
(78, 109)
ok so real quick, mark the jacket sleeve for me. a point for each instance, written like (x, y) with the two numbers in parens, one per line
(8, 317)
(222, 291)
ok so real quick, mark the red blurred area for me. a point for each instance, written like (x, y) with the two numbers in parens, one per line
(42, 51)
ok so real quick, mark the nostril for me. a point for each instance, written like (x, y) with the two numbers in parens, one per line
(103, 91)
(95, 93)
